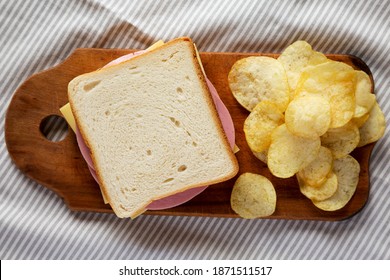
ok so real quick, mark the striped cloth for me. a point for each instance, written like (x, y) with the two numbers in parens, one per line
(36, 35)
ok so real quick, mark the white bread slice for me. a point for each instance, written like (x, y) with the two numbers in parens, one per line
(152, 127)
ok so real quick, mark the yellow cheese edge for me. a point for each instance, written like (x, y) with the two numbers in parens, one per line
(156, 45)
(66, 111)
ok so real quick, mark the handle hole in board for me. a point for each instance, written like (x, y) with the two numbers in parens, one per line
(54, 128)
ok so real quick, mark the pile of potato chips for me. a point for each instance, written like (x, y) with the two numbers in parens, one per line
(308, 113)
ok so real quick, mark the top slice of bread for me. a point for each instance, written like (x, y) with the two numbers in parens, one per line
(152, 127)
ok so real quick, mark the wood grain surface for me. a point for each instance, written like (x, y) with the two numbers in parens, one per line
(60, 167)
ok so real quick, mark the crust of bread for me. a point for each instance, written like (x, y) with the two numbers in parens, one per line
(207, 95)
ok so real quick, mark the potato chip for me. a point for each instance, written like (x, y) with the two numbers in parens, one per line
(257, 78)
(316, 172)
(259, 125)
(342, 140)
(333, 80)
(296, 57)
(373, 128)
(253, 196)
(364, 98)
(359, 121)
(347, 170)
(321, 192)
(289, 153)
(308, 115)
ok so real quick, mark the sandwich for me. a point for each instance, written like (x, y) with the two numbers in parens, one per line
(151, 127)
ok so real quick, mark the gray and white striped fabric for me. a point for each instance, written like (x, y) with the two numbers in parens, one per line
(36, 35)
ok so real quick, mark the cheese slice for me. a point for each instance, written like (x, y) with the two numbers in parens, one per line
(156, 45)
(68, 115)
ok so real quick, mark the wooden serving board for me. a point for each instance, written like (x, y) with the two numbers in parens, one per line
(60, 167)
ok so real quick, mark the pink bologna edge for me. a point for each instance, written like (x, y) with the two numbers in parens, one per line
(182, 197)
